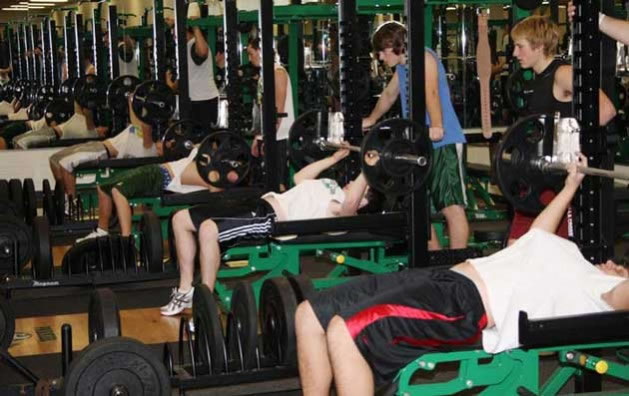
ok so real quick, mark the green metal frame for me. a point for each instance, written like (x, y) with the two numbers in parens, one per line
(508, 372)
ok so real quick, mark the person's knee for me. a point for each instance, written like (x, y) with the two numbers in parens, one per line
(117, 195)
(306, 321)
(208, 232)
(337, 330)
(180, 221)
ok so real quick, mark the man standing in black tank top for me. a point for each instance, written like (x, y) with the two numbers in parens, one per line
(535, 46)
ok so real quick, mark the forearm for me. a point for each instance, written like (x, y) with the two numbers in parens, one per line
(616, 29)
(354, 196)
(550, 217)
(607, 111)
(313, 170)
(200, 44)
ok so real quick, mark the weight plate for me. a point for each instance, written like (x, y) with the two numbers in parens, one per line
(42, 251)
(58, 111)
(100, 254)
(118, 92)
(15, 187)
(7, 324)
(180, 138)
(304, 132)
(277, 321)
(117, 366)
(5, 195)
(152, 248)
(60, 203)
(15, 242)
(223, 159)
(243, 326)
(49, 203)
(30, 200)
(103, 315)
(208, 330)
(153, 102)
(302, 287)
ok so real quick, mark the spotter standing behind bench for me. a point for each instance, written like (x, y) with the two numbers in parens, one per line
(367, 329)
(310, 198)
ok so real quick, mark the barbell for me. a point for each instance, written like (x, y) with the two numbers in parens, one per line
(391, 161)
(526, 165)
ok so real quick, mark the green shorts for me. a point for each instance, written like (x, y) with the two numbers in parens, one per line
(446, 181)
(143, 181)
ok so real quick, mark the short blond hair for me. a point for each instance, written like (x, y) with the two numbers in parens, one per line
(540, 31)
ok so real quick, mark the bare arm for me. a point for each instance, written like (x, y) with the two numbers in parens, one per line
(386, 100)
(200, 44)
(312, 171)
(353, 196)
(614, 28)
(551, 216)
(433, 104)
(606, 109)
(281, 85)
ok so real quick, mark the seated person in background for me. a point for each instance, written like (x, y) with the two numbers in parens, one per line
(310, 198)
(615, 28)
(536, 40)
(17, 128)
(179, 176)
(134, 142)
(79, 126)
(364, 331)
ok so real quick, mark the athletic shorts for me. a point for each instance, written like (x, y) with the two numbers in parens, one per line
(256, 224)
(205, 112)
(522, 222)
(397, 317)
(32, 139)
(143, 181)
(446, 181)
(70, 157)
(12, 130)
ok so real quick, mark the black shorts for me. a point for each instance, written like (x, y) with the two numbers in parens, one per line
(395, 318)
(205, 112)
(255, 224)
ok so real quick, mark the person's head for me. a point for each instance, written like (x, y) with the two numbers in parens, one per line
(253, 51)
(535, 37)
(389, 42)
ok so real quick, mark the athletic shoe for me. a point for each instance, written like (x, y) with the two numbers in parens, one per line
(178, 302)
(98, 232)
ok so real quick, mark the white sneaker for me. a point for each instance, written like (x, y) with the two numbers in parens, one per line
(178, 302)
(98, 232)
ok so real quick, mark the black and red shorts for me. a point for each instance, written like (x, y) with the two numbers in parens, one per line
(395, 318)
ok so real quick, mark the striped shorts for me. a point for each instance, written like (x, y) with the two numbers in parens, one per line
(256, 224)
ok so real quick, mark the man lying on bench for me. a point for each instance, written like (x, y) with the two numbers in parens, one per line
(179, 176)
(363, 332)
(136, 141)
(310, 198)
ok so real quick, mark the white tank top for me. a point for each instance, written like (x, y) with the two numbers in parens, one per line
(543, 275)
(289, 109)
(76, 128)
(127, 68)
(130, 144)
(309, 199)
(201, 77)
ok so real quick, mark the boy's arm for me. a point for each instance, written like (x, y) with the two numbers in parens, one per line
(551, 216)
(386, 100)
(353, 196)
(433, 104)
(312, 171)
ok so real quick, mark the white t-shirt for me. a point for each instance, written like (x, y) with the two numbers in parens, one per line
(130, 144)
(543, 275)
(201, 77)
(286, 122)
(127, 68)
(76, 128)
(178, 167)
(309, 199)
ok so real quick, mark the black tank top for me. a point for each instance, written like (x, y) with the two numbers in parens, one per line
(542, 99)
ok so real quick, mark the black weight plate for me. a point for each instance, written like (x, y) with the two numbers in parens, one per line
(223, 159)
(243, 325)
(152, 248)
(30, 200)
(15, 187)
(7, 324)
(208, 330)
(100, 254)
(14, 234)
(103, 315)
(42, 251)
(277, 321)
(521, 184)
(49, 203)
(5, 195)
(117, 366)
(489, 235)
(518, 90)
(380, 148)
(167, 358)
(180, 139)
(153, 102)
(87, 92)
(302, 286)
(59, 111)
(118, 91)
(67, 88)
(60, 203)
(302, 137)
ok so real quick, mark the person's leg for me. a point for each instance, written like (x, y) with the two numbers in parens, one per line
(352, 374)
(104, 209)
(185, 242)
(458, 227)
(209, 252)
(69, 182)
(3, 144)
(123, 210)
(315, 370)
(433, 242)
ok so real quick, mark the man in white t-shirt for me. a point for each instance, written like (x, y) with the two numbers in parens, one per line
(363, 332)
(136, 141)
(310, 198)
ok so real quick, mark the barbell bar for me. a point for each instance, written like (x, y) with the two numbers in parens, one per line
(545, 165)
(407, 158)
